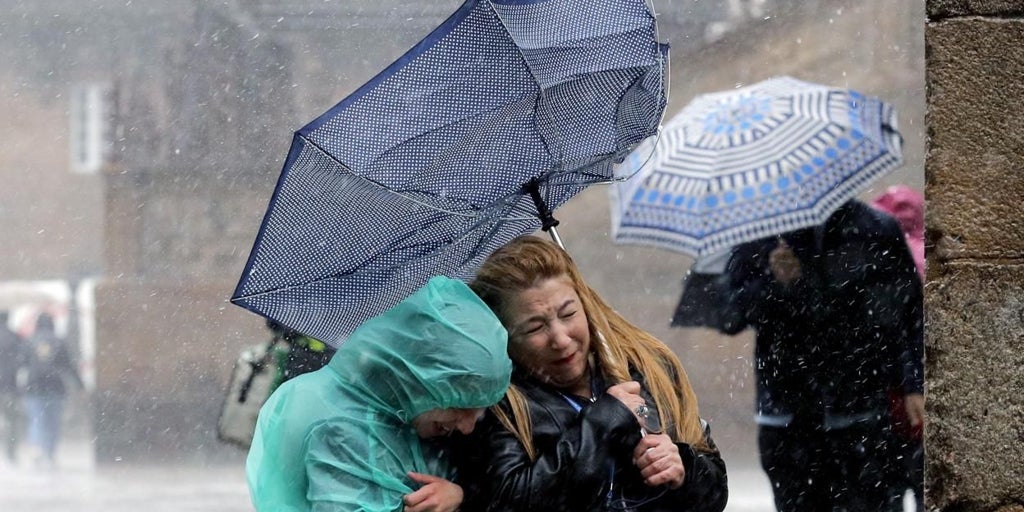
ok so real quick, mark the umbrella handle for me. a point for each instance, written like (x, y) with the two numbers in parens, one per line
(548, 221)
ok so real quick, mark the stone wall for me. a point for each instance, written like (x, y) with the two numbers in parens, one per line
(975, 293)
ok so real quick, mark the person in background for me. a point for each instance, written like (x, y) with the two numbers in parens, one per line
(906, 205)
(356, 434)
(49, 368)
(600, 416)
(12, 359)
(837, 311)
(298, 354)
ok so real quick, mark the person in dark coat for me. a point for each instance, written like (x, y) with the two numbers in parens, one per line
(12, 359)
(600, 414)
(837, 310)
(49, 365)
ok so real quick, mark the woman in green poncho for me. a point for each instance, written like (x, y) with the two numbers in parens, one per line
(347, 437)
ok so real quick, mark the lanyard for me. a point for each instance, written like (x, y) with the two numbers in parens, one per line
(577, 407)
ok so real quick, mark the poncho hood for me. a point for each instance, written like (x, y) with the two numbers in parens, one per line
(440, 348)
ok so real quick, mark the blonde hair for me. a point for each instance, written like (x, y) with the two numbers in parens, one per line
(617, 344)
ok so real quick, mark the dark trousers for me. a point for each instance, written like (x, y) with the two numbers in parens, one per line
(814, 470)
(908, 470)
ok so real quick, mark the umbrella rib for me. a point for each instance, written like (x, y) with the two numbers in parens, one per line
(382, 186)
(279, 289)
(488, 117)
(526, 64)
(600, 180)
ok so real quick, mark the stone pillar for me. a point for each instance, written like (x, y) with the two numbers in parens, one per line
(974, 297)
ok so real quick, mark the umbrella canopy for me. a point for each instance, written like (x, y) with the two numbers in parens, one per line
(740, 165)
(507, 109)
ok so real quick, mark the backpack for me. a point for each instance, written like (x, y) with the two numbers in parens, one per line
(254, 376)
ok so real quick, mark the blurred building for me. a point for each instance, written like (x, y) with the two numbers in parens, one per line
(204, 141)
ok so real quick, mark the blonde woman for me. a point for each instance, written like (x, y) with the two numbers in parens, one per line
(600, 416)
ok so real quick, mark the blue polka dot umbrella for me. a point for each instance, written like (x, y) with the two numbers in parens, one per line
(502, 113)
(761, 160)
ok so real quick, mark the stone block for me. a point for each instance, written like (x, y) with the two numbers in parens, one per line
(975, 356)
(976, 150)
(947, 8)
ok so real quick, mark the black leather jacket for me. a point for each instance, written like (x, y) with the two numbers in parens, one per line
(577, 452)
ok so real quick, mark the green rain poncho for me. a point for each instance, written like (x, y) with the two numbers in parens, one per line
(341, 438)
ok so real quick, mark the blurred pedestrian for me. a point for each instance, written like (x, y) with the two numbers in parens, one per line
(355, 434)
(837, 310)
(906, 205)
(49, 369)
(600, 416)
(12, 359)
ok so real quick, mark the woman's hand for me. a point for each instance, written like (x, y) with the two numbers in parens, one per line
(436, 495)
(914, 404)
(659, 462)
(629, 394)
(784, 264)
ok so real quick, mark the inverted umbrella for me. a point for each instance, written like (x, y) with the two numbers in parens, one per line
(503, 112)
(761, 160)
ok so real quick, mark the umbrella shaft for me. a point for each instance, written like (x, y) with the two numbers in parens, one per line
(554, 236)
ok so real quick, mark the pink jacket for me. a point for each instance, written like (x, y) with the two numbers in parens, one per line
(906, 205)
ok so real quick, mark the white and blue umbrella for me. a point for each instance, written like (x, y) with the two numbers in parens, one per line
(502, 113)
(758, 161)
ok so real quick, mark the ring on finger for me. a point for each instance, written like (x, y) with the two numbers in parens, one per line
(642, 410)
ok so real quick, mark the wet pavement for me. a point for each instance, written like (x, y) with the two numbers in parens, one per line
(78, 484)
